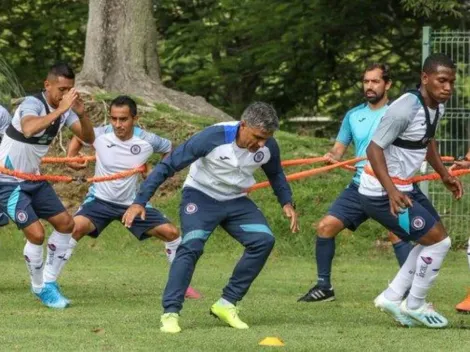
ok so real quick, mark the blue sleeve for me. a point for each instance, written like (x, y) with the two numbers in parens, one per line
(196, 147)
(345, 135)
(275, 174)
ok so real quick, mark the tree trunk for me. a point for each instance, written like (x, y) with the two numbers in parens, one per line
(121, 55)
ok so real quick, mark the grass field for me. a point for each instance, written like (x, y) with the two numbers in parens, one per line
(116, 283)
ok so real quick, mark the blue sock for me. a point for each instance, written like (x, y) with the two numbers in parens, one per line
(402, 249)
(324, 252)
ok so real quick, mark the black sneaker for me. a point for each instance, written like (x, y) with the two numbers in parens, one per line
(3, 219)
(318, 294)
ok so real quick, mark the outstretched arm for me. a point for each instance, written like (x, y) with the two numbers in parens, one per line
(194, 148)
(278, 181)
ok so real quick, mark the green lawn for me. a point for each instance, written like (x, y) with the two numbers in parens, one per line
(116, 283)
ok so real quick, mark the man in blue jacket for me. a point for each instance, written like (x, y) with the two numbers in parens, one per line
(223, 159)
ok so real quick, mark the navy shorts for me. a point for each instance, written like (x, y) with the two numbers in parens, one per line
(411, 224)
(26, 202)
(101, 213)
(200, 214)
(348, 208)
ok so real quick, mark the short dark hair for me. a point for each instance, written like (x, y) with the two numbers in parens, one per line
(125, 100)
(381, 66)
(261, 115)
(439, 59)
(61, 69)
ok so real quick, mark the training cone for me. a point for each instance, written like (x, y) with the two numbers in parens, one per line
(271, 341)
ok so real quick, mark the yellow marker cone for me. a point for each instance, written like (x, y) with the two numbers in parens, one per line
(271, 341)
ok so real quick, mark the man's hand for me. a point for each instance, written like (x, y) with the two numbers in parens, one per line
(131, 213)
(77, 165)
(289, 212)
(398, 202)
(68, 100)
(330, 158)
(79, 106)
(460, 165)
(454, 185)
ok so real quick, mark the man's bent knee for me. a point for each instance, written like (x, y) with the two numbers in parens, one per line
(437, 234)
(62, 222)
(166, 232)
(34, 233)
(329, 227)
(82, 227)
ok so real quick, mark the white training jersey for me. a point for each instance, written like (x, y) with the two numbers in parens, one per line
(24, 157)
(114, 155)
(404, 119)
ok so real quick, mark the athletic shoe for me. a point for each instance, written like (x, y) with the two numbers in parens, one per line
(170, 323)
(229, 314)
(464, 306)
(425, 315)
(191, 293)
(50, 297)
(318, 294)
(4, 219)
(57, 287)
(392, 308)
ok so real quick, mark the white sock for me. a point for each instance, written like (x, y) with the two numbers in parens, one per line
(224, 302)
(68, 254)
(402, 281)
(428, 265)
(33, 255)
(57, 247)
(170, 249)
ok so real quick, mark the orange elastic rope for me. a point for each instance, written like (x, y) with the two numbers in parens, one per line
(117, 176)
(75, 159)
(31, 177)
(302, 161)
(429, 177)
(304, 174)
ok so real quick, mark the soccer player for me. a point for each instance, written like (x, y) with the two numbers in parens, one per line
(224, 158)
(358, 127)
(403, 139)
(5, 120)
(121, 146)
(35, 124)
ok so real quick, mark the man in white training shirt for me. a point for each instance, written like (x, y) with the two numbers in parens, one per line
(121, 146)
(35, 124)
(402, 141)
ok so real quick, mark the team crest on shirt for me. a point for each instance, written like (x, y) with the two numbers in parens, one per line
(21, 216)
(190, 208)
(259, 156)
(418, 223)
(135, 149)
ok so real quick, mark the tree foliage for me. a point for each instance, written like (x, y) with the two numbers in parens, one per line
(303, 56)
(35, 34)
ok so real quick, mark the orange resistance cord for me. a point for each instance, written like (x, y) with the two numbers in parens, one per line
(76, 159)
(303, 174)
(57, 178)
